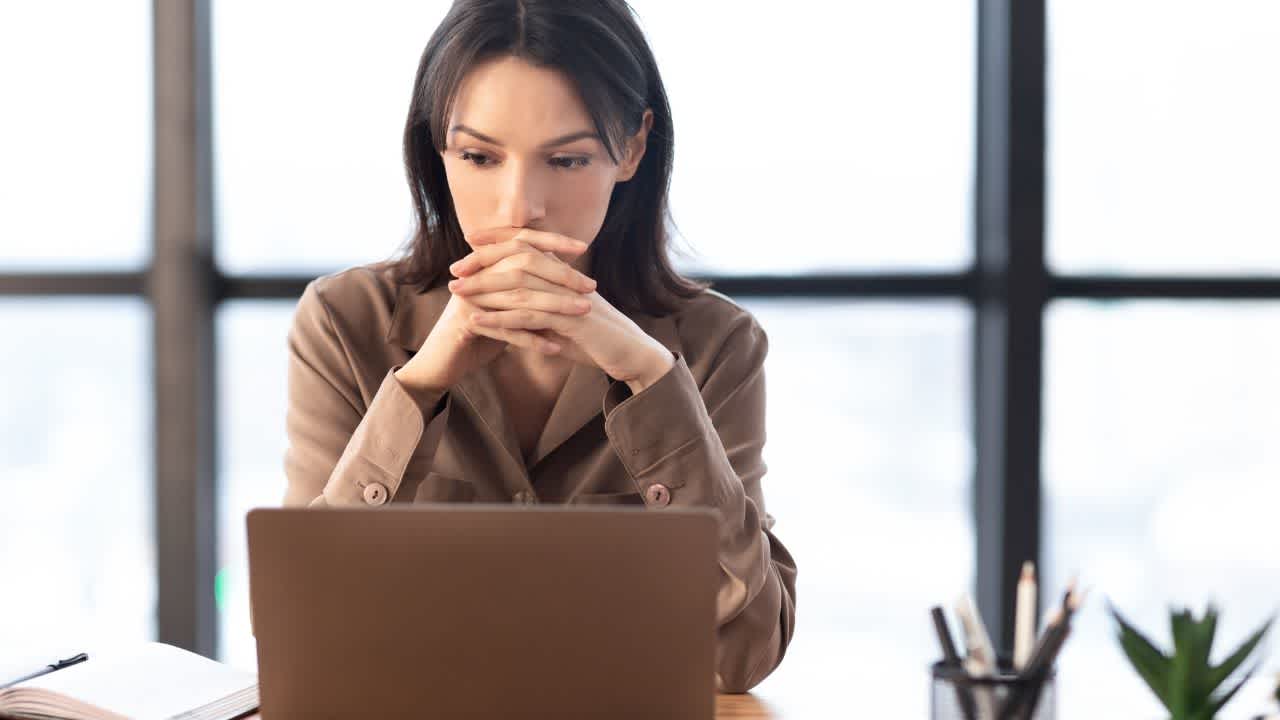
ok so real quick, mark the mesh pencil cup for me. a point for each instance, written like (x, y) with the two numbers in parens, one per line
(956, 696)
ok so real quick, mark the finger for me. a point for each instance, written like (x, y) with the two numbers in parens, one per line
(524, 319)
(519, 338)
(548, 268)
(489, 235)
(523, 297)
(485, 254)
(506, 275)
(494, 235)
(495, 280)
(492, 255)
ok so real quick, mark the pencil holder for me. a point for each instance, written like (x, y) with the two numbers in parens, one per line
(1003, 696)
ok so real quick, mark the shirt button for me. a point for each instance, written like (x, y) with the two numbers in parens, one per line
(658, 494)
(375, 493)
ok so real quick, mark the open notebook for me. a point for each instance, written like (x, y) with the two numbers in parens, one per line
(151, 681)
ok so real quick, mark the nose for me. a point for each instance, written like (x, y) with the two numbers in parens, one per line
(520, 201)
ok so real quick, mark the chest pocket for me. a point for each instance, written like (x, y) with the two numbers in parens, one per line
(616, 498)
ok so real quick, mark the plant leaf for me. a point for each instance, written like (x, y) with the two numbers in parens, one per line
(1181, 702)
(1222, 699)
(1218, 674)
(1199, 645)
(1151, 664)
(1200, 662)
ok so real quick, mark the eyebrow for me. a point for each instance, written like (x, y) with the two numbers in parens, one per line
(554, 142)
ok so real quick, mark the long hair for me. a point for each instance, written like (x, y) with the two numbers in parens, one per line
(600, 47)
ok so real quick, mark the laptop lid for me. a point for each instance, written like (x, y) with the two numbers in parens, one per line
(484, 611)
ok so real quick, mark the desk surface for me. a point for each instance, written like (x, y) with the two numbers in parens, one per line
(731, 707)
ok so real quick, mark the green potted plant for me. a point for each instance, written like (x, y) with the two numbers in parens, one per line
(1187, 683)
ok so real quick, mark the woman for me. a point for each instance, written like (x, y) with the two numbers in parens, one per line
(534, 344)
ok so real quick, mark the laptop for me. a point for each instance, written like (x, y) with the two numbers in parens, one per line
(484, 611)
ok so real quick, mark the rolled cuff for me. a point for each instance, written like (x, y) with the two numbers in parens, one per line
(382, 445)
(660, 423)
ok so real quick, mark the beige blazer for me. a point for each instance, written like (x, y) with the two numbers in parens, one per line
(693, 438)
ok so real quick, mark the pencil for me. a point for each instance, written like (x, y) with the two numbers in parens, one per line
(1024, 626)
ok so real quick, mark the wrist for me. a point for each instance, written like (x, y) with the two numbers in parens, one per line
(662, 362)
(424, 390)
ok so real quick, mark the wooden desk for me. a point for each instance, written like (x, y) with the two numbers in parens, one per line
(745, 707)
(728, 707)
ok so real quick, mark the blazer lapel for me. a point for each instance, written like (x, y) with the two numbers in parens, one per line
(579, 402)
(411, 321)
(582, 398)
(481, 392)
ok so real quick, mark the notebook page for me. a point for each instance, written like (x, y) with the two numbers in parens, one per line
(151, 681)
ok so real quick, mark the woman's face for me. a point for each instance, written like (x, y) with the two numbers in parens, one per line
(521, 151)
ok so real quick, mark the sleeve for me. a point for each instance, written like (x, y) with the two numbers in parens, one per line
(704, 446)
(340, 451)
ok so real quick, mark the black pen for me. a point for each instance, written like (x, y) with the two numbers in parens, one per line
(45, 670)
(951, 659)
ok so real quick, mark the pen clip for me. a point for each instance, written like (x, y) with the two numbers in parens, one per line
(80, 657)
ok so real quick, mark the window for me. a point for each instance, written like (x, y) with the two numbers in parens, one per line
(810, 156)
(77, 545)
(1164, 159)
(309, 109)
(77, 136)
(1156, 456)
(1159, 469)
(76, 540)
(888, 384)
(252, 397)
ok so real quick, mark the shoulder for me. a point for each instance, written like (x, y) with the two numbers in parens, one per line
(355, 288)
(714, 330)
(352, 303)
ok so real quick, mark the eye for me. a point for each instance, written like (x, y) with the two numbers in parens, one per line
(474, 158)
(559, 163)
(570, 163)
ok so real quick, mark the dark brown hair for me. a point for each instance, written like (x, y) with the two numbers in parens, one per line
(599, 46)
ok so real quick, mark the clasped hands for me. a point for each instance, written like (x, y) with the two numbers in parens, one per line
(527, 296)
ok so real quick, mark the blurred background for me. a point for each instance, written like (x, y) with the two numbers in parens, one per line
(1019, 264)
